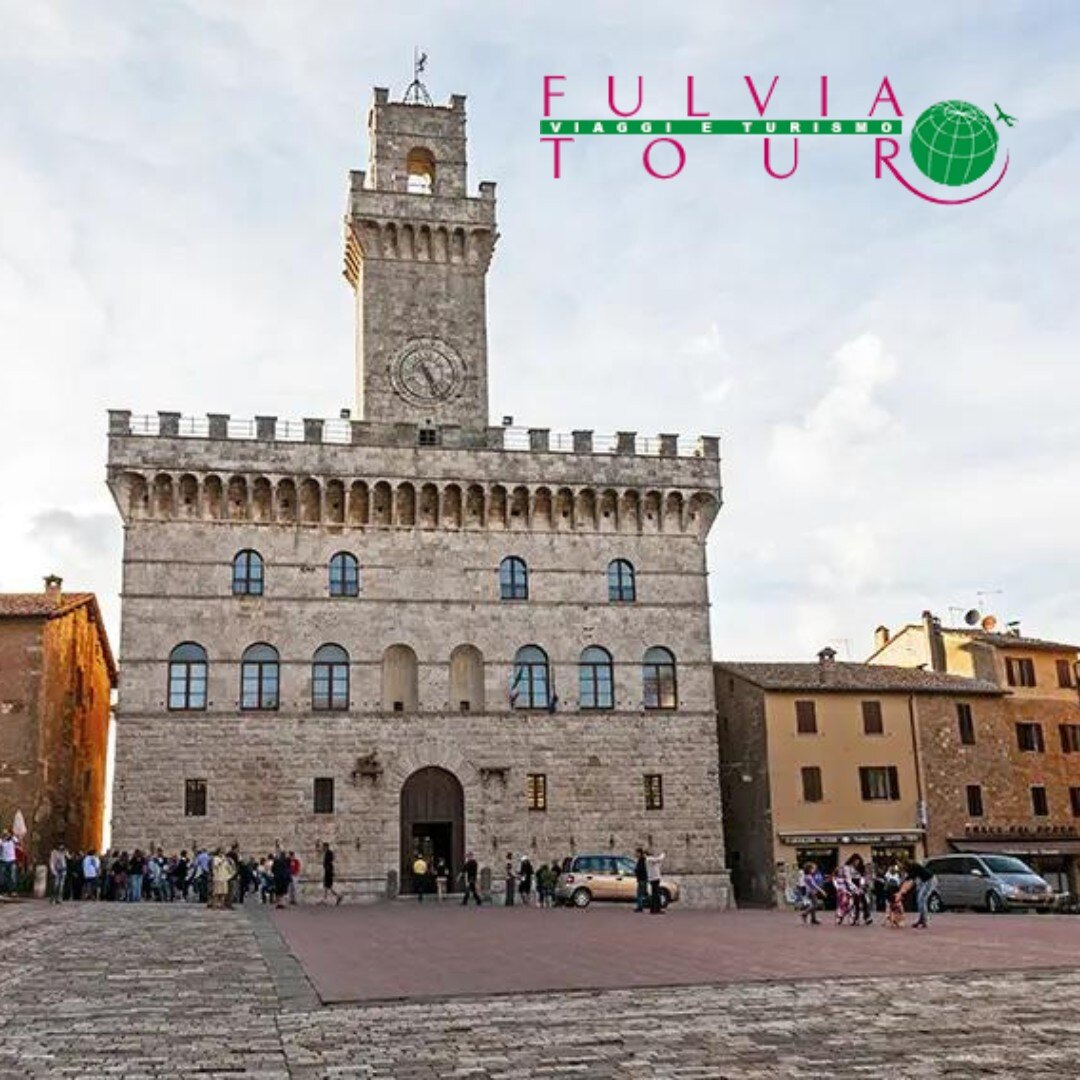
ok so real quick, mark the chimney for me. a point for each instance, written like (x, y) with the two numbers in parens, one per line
(53, 585)
(827, 655)
(881, 637)
(935, 643)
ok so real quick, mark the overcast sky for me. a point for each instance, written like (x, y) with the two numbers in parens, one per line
(894, 383)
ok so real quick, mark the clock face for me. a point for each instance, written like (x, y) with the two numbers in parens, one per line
(427, 371)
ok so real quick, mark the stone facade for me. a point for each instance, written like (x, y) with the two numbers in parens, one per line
(56, 679)
(429, 500)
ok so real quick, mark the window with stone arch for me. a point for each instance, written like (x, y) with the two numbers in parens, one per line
(344, 574)
(260, 677)
(330, 678)
(420, 171)
(530, 685)
(621, 582)
(513, 579)
(658, 679)
(188, 671)
(596, 679)
(247, 573)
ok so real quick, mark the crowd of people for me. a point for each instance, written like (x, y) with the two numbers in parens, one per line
(219, 878)
(854, 887)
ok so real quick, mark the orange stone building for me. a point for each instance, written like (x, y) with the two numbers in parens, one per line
(56, 677)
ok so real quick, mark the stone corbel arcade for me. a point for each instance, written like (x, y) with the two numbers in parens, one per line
(346, 501)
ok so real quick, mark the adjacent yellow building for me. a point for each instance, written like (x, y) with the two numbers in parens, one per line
(820, 761)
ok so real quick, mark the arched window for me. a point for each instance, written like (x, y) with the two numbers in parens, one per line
(187, 677)
(344, 575)
(530, 687)
(658, 679)
(513, 579)
(596, 680)
(621, 588)
(467, 679)
(247, 574)
(260, 672)
(420, 169)
(330, 678)
(400, 680)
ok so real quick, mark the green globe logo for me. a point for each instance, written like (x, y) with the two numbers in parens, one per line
(953, 142)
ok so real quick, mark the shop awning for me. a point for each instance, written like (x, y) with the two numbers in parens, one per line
(1032, 846)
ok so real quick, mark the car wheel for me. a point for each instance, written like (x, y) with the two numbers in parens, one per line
(665, 898)
(994, 903)
(581, 898)
(935, 905)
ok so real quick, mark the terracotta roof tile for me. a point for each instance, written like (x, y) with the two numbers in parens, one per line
(37, 605)
(841, 677)
(1009, 641)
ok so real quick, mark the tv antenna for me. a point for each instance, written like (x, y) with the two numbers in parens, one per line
(416, 92)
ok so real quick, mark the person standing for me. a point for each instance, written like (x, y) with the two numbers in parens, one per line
(442, 878)
(419, 877)
(7, 863)
(470, 870)
(653, 863)
(525, 880)
(294, 875)
(91, 867)
(58, 867)
(222, 872)
(641, 876)
(922, 881)
(328, 876)
(810, 887)
(282, 875)
(855, 875)
(136, 866)
(510, 879)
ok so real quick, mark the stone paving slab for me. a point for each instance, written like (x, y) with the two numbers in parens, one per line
(152, 991)
(374, 953)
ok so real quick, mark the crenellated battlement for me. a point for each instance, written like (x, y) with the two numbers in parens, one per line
(341, 472)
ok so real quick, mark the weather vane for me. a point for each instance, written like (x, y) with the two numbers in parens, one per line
(416, 92)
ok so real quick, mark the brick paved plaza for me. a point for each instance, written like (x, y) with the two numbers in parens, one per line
(137, 991)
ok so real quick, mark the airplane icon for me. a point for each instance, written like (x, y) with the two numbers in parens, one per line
(1003, 117)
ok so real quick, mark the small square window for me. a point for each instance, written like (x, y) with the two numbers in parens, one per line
(654, 791)
(194, 798)
(1029, 737)
(399, 706)
(966, 722)
(324, 794)
(464, 706)
(873, 723)
(536, 791)
(428, 436)
(805, 718)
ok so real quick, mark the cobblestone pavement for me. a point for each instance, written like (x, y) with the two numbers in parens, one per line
(177, 991)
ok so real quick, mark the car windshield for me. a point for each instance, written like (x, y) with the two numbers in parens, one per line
(1005, 864)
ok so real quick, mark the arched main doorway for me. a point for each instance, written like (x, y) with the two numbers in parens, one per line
(432, 821)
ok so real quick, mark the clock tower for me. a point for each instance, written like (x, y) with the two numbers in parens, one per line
(417, 250)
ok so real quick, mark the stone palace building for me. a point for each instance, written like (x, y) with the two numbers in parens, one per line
(409, 629)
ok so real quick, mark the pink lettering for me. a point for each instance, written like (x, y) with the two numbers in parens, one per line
(885, 96)
(611, 96)
(794, 164)
(690, 99)
(557, 141)
(647, 159)
(761, 106)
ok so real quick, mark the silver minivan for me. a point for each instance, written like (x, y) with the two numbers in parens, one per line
(990, 882)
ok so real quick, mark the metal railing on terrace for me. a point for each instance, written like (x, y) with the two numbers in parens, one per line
(347, 432)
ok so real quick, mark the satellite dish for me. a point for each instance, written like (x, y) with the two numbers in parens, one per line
(989, 623)
(972, 617)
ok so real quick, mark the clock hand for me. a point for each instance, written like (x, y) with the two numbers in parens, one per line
(428, 377)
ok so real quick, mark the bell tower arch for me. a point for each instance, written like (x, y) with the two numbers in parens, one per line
(417, 251)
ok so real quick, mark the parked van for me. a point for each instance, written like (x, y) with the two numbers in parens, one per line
(989, 882)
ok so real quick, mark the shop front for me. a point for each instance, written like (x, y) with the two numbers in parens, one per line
(830, 850)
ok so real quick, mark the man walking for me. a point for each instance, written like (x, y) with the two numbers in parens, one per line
(91, 870)
(328, 876)
(470, 870)
(922, 881)
(652, 866)
(641, 876)
(7, 863)
(58, 868)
